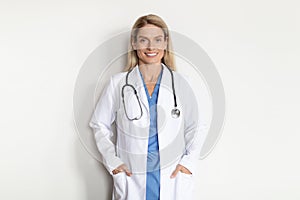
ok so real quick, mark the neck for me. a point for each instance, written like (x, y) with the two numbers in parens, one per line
(150, 72)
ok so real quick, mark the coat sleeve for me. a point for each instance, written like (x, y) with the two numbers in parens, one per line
(195, 128)
(101, 122)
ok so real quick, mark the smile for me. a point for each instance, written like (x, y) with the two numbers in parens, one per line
(151, 54)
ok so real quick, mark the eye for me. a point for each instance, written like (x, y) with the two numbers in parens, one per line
(158, 40)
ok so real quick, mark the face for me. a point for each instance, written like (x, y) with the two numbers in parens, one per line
(150, 44)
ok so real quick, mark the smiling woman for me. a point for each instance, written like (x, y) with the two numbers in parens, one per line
(157, 145)
(156, 34)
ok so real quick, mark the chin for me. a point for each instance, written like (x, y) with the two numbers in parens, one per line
(150, 63)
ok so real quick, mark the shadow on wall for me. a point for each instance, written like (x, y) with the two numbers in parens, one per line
(101, 64)
(97, 181)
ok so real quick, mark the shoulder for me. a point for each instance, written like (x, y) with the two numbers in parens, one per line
(185, 87)
(180, 75)
(116, 78)
(182, 79)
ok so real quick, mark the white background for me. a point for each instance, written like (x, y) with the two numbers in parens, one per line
(254, 44)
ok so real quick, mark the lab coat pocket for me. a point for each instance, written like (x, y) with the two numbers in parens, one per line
(119, 186)
(184, 186)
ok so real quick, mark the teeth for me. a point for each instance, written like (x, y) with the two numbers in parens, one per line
(151, 54)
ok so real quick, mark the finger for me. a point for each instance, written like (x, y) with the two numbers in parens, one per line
(124, 168)
(173, 175)
(185, 170)
(118, 170)
(128, 173)
(115, 171)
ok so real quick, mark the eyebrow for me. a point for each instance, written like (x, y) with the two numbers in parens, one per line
(159, 36)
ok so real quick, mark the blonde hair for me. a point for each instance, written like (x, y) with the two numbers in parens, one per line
(132, 58)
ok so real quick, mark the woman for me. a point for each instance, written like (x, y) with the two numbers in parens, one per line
(157, 140)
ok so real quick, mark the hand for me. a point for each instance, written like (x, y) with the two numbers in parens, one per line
(181, 169)
(122, 168)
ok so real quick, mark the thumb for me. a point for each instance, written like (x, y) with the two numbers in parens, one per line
(128, 173)
(173, 175)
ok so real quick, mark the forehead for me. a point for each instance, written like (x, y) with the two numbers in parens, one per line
(150, 31)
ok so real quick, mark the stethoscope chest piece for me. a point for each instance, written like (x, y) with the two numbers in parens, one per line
(175, 113)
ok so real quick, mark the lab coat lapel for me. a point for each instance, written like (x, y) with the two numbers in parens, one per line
(165, 103)
(136, 80)
(165, 89)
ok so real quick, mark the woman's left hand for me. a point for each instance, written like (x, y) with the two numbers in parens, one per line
(181, 169)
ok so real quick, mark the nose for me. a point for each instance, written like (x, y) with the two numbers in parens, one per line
(150, 45)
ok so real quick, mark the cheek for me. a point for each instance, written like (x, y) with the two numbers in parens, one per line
(161, 53)
(139, 53)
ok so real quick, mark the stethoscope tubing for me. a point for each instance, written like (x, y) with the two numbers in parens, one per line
(175, 111)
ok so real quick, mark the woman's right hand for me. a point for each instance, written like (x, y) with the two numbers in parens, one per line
(122, 168)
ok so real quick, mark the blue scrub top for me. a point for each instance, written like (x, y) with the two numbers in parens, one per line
(153, 163)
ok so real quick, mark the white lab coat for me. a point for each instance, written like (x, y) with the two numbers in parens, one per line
(180, 139)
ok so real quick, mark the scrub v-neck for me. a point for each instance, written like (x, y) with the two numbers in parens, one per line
(156, 87)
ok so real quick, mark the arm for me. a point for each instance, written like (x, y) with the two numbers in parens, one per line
(101, 121)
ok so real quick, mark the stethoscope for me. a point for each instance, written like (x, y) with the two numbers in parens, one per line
(175, 112)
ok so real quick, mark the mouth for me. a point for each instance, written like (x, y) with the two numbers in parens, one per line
(151, 54)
